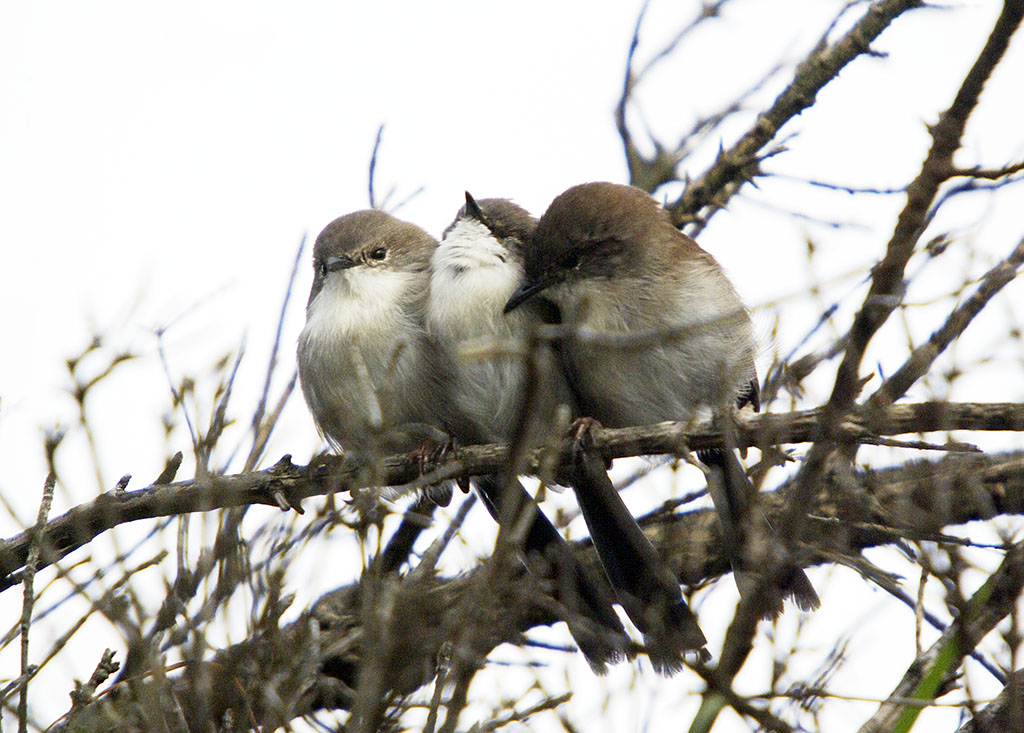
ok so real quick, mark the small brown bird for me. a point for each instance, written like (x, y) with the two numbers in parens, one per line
(474, 271)
(609, 257)
(659, 332)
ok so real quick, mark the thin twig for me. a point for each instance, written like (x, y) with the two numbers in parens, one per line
(28, 597)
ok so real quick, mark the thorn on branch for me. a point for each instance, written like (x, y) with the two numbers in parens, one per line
(283, 465)
(170, 470)
(281, 502)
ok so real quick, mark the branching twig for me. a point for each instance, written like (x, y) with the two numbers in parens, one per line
(933, 670)
(923, 356)
(28, 601)
(732, 167)
(886, 289)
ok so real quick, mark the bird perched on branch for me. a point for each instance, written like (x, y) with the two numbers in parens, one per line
(474, 271)
(367, 367)
(658, 333)
(476, 267)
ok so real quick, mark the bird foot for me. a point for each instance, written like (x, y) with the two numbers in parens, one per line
(581, 432)
(431, 453)
(580, 429)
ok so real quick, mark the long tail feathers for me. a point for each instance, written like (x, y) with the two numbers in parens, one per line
(737, 508)
(591, 617)
(645, 587)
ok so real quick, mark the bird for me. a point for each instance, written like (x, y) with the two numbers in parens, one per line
(477, 267)
(367, 368)
(474, 270)
(658, 331)
(609, 257)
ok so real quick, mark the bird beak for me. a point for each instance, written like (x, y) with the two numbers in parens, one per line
(473, 208)
(528, 291)
(342, 262)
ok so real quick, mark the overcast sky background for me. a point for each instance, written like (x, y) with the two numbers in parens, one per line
(160, 164)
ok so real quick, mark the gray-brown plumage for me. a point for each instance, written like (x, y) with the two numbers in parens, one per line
(611, 260)
(367, 368)
(476, 267)
(660, 332)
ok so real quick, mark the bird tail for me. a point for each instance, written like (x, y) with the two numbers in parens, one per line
(647, 590)
(590, 616)
(735, 502)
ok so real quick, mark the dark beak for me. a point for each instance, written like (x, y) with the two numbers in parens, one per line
(341, 262)
(473, 208)
(528, 291)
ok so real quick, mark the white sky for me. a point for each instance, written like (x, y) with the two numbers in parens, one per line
(160, 163)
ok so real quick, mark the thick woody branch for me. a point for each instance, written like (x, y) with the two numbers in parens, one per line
(286, 485)
(419, 621)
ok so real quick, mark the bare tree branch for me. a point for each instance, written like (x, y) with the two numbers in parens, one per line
(291, 484)
(930, 674)
(886, 289)
(737, 165)
(1006, 712)
(923, 356)
(373, 170)
(426, 614)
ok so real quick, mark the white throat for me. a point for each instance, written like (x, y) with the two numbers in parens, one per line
(472, 276)
(362, 303)
(469, 244)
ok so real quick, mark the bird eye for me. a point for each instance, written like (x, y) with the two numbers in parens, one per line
(321, 267)
(571, 261)
(378, 254)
